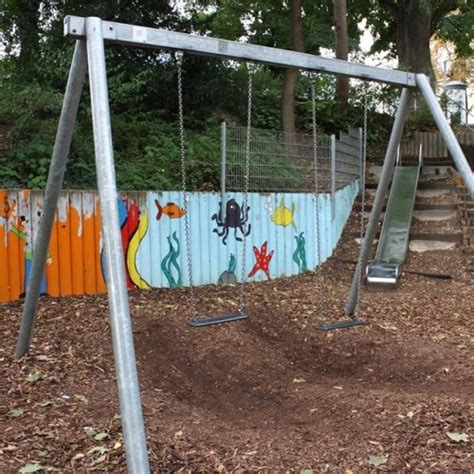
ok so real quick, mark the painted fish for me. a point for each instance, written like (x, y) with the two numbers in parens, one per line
(172, 210)
(284, 216)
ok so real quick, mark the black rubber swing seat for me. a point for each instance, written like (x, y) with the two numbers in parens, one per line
(340, 325)
(226, 318)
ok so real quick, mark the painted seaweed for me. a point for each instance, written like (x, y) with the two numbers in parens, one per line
(299, 255)
(170, 262)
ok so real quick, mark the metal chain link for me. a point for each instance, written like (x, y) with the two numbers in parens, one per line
(362, 205)
(243, 272)
(187, 232)
(319, 277)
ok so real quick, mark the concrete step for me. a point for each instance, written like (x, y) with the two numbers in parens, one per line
(432, 185)
(419, 206)
(428, 173)
(456, 237)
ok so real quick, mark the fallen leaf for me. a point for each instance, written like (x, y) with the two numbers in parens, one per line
(90, 431)
(34, 377)
(31, 467)
(101, 436)
(458, 437)
(97, 449)
(81, 398)
(377, 460)
(15, 413)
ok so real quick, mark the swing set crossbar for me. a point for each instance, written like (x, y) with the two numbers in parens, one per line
(215, 320)
(146, 37)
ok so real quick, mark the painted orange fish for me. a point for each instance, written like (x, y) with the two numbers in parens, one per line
(172, 210)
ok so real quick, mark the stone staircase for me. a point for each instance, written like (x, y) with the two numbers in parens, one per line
(465, 208)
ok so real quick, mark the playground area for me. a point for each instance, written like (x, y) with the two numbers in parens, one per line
(267, 393)
(294, 240)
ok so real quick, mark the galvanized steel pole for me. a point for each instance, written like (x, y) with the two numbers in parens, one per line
(333, 177)
(122, 337)
(223, 165)
(382, 189)
(57, 168)
(446, 131)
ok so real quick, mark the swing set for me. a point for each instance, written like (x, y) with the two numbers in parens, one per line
(89, 56)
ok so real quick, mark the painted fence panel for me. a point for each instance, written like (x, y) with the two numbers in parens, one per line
(281, 238)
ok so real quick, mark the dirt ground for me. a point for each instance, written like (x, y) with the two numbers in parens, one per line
(269, 393)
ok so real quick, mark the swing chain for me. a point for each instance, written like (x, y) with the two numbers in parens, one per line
(243, 273)
(362, 205)
(187, 233)
(319, 277)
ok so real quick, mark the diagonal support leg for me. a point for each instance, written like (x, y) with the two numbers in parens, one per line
(53, 188)
(122, 337)
(382, 189)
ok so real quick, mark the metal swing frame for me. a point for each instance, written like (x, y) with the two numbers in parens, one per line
(89, 54)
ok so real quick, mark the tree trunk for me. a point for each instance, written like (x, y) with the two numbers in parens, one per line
(27, 23)
(292, 75)
(342, 50)
(414, 30)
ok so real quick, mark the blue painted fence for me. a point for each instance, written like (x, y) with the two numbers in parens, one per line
(281, 240)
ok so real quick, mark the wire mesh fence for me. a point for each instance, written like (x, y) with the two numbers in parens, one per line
(285, 162)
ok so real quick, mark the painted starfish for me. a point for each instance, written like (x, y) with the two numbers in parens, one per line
(262, 260)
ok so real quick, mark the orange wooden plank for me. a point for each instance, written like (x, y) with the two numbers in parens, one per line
(64, 246)
(101, 287)
(89, 250)
(52, 268)
(4, 269)
(77, 255)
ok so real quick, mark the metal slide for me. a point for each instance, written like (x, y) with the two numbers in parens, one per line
(385, 270)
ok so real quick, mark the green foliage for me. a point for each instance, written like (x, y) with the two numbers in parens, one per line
(143, 90)
(458, 28)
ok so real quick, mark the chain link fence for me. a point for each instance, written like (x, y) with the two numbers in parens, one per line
(284, 162)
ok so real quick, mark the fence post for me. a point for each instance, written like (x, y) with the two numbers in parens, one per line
(360, 155)
(223, 165)
(333, 177)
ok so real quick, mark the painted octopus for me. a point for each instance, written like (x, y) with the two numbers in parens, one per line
(235, 218)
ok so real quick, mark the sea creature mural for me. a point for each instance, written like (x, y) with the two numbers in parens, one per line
(284, 216)
(299, 255)
(228, 277)
(128, 220)
(235, 218)
(268, 206)
(262, 260)
(172, 210)
(170, 263)
(140, 232)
